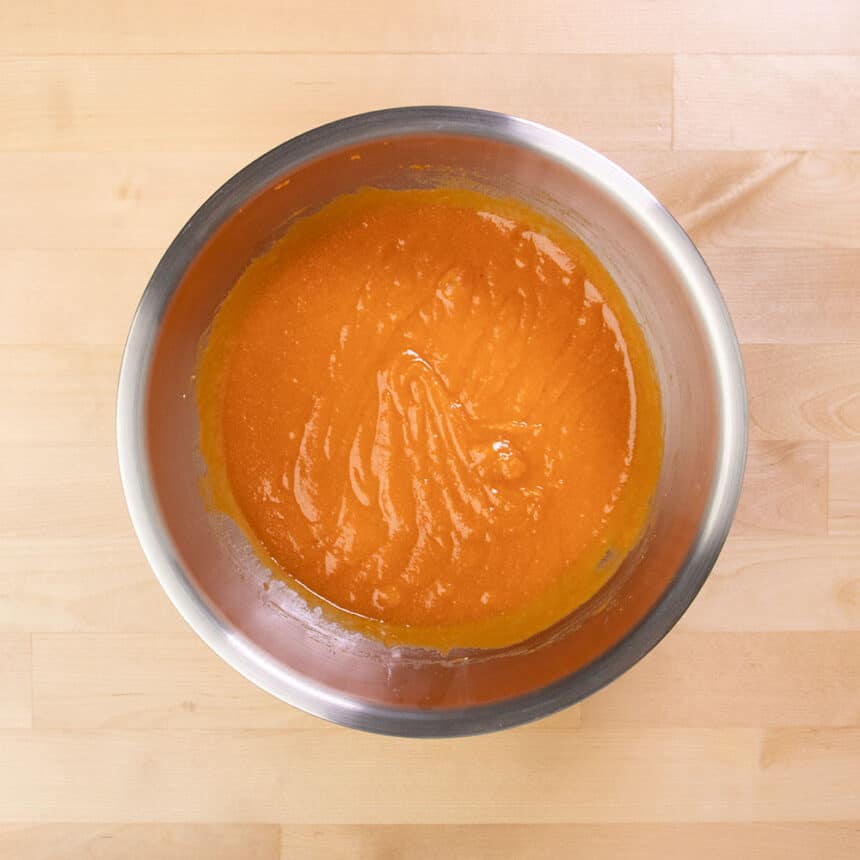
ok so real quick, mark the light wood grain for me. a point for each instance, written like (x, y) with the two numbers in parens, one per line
(843, 515)
(799, 841)
(74, 200)
(650, 774)
(122, 735)
(761, 102)
(68, 103)
(804, 392)
(152, 841)
(780, 583)
(554, 26)
(60, 585)
(15, 681)
(41, 492)
(144, 682)
(741, 679)
(111, 280)
(65, 565)
(44, 388)
(785, 490)
(770, 199)
(789, 295)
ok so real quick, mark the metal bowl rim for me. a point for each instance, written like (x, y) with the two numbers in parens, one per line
(253, 662)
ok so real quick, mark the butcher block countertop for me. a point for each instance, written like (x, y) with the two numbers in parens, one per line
(122, 735)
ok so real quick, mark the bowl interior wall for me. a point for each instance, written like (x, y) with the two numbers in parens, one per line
(234, 583)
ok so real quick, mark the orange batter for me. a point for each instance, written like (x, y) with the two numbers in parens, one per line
(433, 410)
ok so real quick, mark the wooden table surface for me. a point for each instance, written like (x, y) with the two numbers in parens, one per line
(122, 735)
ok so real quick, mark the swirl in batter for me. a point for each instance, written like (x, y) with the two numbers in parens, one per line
(433, 410)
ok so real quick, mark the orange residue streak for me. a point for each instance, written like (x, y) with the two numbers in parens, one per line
(433, 410)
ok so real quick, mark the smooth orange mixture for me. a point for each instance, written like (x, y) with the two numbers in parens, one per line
(433, 410)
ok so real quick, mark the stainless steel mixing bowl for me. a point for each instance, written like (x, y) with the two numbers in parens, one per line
(260, 627)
